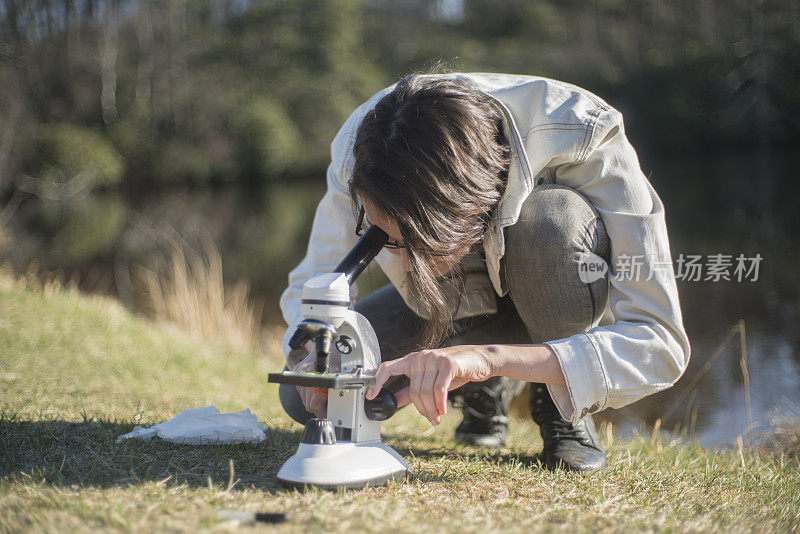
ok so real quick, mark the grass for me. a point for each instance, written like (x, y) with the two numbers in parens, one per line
(186, 288)
(76, 372)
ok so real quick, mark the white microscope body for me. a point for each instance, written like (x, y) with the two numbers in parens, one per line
(343, 450)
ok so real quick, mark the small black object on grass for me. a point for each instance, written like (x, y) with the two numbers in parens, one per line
(253, 517)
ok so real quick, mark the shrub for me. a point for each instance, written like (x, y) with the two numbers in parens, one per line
(65, 152)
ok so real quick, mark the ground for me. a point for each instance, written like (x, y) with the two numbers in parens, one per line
(76, 372)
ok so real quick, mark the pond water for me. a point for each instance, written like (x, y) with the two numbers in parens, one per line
(713, 409)
(731, 204)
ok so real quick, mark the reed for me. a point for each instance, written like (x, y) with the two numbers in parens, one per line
(187, 288)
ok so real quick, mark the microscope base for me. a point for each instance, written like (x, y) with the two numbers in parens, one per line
(343, 464)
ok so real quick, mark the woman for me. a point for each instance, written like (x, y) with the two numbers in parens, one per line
(516, 209)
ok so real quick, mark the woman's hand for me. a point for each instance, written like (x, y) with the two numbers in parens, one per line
(313, 399)
(433, 373)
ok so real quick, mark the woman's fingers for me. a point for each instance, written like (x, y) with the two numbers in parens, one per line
(427, 394)
(441, 386)
(415, 391)
(318, 405)
(403, 397)
(430, 379)
(313, 402)
(385, 371)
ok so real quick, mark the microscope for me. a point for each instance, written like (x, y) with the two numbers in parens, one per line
(344, 449)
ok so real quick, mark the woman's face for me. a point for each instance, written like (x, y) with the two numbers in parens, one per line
(441, 264)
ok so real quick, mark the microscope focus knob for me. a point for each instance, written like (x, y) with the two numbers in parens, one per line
(382, 407)
(319, 432)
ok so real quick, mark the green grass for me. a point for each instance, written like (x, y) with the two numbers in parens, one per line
(76, 372)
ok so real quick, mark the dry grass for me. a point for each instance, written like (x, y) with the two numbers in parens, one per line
(47, 283)
(785, 433)
(75, 373)
(184, 287)
(188, 289)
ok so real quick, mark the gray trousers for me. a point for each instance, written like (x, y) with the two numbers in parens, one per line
(546, 298)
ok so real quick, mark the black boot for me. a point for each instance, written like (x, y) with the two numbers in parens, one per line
(566, 445)
(485, 407)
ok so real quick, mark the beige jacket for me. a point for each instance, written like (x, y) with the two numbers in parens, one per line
(561, 134)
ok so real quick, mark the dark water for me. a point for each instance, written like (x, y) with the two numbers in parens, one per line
(714, 410)
(738, 203)
(731, 204)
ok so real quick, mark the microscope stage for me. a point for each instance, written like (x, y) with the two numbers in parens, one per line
(322, 380)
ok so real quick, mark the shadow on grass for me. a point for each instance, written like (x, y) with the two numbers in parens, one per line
(65, 453)
(424, 448)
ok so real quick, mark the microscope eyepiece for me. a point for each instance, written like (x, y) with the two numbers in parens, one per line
(364, 252)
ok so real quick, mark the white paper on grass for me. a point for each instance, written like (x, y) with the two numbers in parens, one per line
(204, 426)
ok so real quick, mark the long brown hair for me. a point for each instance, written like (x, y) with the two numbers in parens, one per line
(432, 156)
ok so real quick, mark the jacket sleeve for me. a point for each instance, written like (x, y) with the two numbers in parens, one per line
(646, 349)
(332, 233)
